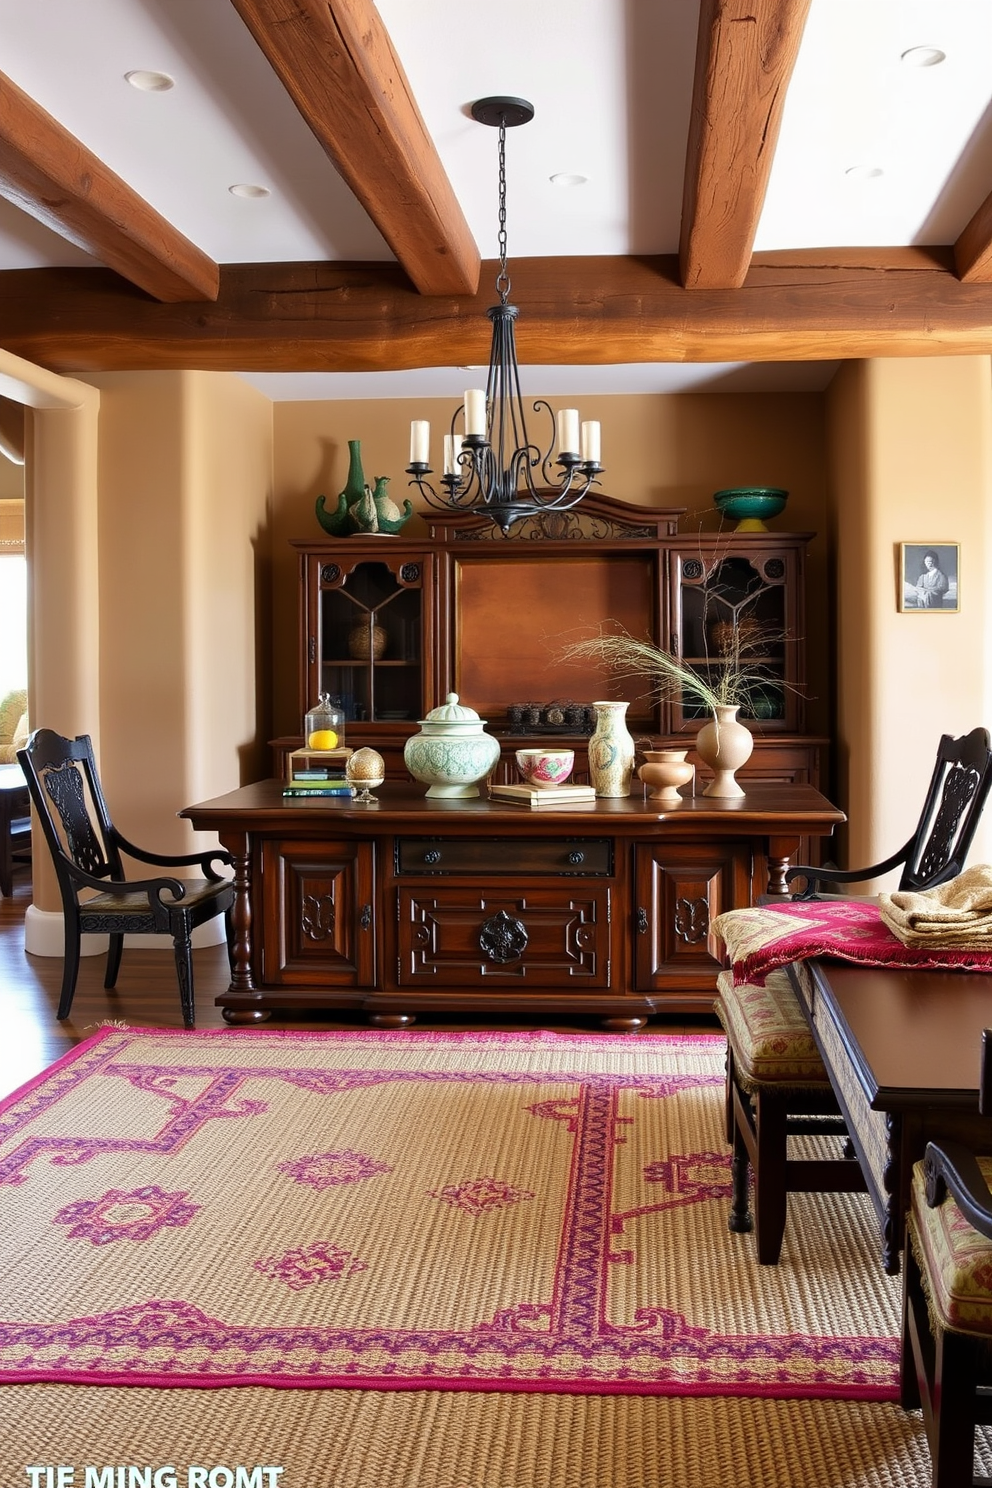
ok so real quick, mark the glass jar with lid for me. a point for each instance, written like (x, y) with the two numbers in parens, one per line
(323, 726)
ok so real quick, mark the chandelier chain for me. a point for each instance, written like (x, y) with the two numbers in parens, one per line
(502, 278)
(495, 468)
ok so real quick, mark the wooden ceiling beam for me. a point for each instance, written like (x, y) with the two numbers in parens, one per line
(336, 61)
(745, 53)
(973, 249)
(49, 174)
(297, 317)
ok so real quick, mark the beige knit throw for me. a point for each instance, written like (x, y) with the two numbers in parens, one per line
(957, 913)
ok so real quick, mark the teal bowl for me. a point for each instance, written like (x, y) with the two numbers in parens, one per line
(748, 506)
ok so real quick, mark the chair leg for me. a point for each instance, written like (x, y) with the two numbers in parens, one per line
(910, 1397)
(740, 1221)
(113, 960)
(184, 972)
(6, 862)
(952, 1436)
(70, 964)
(769, 1177)
(229, 935)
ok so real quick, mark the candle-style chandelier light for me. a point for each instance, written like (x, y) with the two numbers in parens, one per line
(494, 468)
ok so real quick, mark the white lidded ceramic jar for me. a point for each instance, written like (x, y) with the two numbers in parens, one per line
(452, 752)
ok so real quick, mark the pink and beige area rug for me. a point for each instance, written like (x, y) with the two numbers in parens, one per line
(511, 1212)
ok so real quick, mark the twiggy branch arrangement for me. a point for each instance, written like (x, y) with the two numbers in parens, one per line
(729, 681)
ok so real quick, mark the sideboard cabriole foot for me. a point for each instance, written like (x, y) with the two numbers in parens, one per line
(392, 1020)
(246, 1015)
(623, 1025)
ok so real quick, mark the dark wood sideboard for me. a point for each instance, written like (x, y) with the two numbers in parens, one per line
(410, 905)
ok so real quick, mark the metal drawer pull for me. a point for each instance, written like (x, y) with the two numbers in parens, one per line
(503, 938)
(575, 857)
(433, 855)
(366, 919)
(642, 920)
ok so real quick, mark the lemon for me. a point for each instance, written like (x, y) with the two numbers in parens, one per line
(323, 739)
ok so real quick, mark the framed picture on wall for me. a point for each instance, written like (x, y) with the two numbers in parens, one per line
(929, 577)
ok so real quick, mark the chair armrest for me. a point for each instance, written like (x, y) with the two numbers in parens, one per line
(813, 876)
(951, 1168)
(153, 887)
(203, 861)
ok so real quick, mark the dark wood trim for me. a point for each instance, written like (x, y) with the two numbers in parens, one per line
(337, 63)
(366, 317)
(48, 173)
(744, 59)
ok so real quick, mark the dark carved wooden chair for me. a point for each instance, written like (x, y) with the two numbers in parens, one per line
(777, 1086)
(87, 851)
(937, 850)
(947, 1300)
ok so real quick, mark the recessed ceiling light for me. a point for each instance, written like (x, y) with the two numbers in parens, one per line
(567, 178)
(150, 82)
(923, 56)
(863, 172)
(247, 189)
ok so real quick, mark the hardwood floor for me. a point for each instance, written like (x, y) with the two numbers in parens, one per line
(146, 993)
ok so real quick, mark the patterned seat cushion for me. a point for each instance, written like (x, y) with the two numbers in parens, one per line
(955, 1259)
(768, 1032)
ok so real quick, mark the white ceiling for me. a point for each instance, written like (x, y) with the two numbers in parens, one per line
(611, 82)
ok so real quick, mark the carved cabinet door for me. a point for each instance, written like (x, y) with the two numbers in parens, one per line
(679, 889)
(317, 904)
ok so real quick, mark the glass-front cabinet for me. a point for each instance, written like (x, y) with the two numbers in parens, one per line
(390, 625)
(737, 607)
(367, 617)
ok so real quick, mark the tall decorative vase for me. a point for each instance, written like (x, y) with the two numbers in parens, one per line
(725, 745)
(611, 751)
(354, 488)
(340, 522)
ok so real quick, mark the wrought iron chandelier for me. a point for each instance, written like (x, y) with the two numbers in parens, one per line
(494, 468)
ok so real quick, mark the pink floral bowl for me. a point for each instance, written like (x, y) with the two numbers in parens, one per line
(545, 767)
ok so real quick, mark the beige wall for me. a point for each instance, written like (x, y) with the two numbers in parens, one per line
(658, 451)
(185, 477)
(912, 462)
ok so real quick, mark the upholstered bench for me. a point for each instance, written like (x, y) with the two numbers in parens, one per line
(947, 1319)
(777, 1087)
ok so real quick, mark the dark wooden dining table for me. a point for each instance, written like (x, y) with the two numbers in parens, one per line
(903, 1050)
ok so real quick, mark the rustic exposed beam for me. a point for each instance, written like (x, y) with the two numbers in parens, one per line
(973, 249)
(365, 317)
(336, 61)
(49, 174)
(745, 53)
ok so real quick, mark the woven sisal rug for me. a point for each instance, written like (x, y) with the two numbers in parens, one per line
(511, 1212)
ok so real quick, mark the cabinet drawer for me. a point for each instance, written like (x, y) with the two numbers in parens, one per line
(580, 856)
(548, 938)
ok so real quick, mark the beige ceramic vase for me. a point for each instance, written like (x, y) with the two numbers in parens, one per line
(611, 751)
(724, 745)
(663, 772)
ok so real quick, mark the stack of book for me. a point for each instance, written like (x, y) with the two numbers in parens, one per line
(540, 797)
(321, 780)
